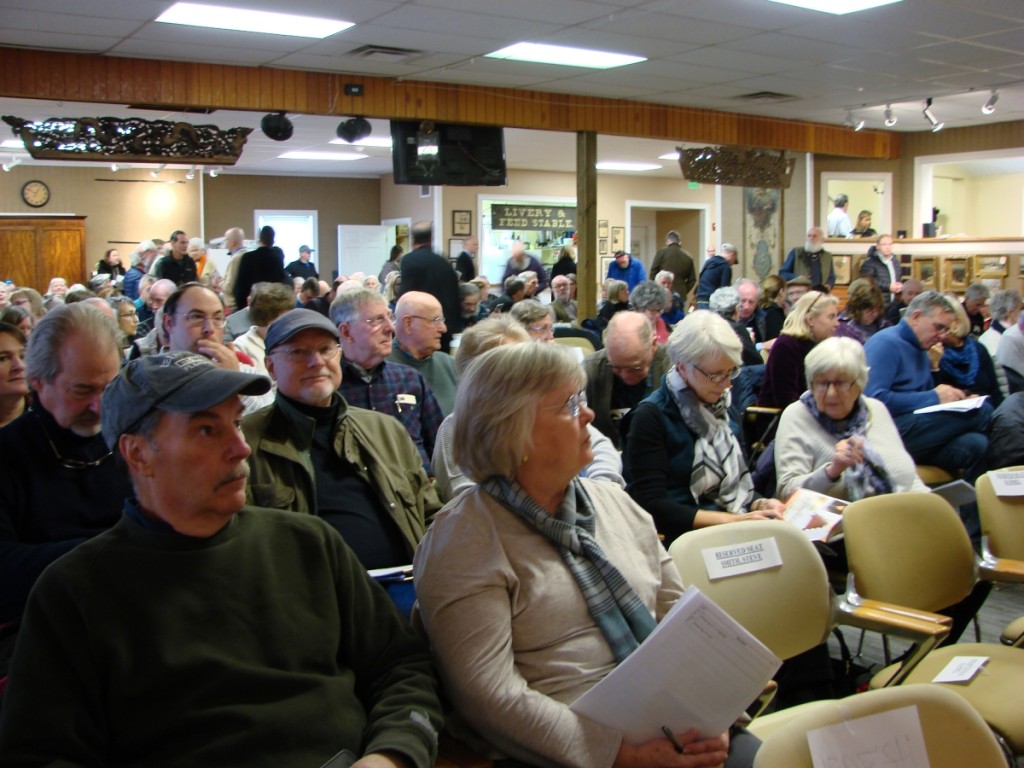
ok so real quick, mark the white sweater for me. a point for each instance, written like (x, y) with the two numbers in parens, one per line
(803, 449)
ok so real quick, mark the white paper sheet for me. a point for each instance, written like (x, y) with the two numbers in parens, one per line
(1007, 483)
(960, 669)
(698, 669)
(957, 406)
(733, 560)
(887, 740)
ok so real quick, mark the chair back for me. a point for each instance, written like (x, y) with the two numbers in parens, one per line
(1002, 519)
(789, 608)
(578, 342)
(955, 735)
(910, 549)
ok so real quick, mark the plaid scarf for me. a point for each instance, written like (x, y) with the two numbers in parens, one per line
(619, 613)
(869, 478)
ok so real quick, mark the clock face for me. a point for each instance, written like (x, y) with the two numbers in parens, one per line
(35, 193)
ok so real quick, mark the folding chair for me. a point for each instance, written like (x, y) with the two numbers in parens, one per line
(1002, 542)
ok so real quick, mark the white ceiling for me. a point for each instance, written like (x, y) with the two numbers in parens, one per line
(701, 53)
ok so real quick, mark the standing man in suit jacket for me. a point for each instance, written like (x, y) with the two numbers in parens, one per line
(427, 271)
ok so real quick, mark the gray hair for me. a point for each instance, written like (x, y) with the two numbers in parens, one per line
(349, 305)
(703, 334)
(725, 301)
(527, 274)
(664, 275)
(747, 281)
(648, 295)
(530, 311)
(837, 353)
(51, 333)
(672, 236)
(489, 333)
(513, 284)
(930, 301)
(728, 248)
(468, 289)
(1003, 303)
(840, 200)
(976, 291)
(494, 394)
(615, 288)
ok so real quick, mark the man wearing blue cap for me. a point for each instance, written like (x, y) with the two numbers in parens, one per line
(201, 632)
(312, 452)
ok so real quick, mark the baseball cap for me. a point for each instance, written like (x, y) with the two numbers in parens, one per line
(293, 321)
(180, 382)
(306, 248)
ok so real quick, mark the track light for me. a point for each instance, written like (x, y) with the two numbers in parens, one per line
(890, 118)
(156, 171)
(936, 125)
(354, 129)
(215, 172)
(849, 122)
(277, 126)
(191, 173)
(990, 105)
(8, 167)
(114, 167)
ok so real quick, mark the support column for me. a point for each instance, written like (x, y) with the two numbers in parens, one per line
(586, 223)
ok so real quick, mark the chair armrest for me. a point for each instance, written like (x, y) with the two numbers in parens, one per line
(900, 610)
(1002, 569)
(763, 410)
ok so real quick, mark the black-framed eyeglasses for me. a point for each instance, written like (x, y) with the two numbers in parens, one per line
(821, 387)
(718, 378)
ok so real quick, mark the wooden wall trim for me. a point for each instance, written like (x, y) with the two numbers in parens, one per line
(31, 74)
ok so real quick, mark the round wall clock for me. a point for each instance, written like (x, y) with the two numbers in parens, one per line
(35, 193)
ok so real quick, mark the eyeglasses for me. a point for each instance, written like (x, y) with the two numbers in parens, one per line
(541, 329)
(379, 321)
(123, 315)
(435, 321)
(195, 318)
(574, 405)
(298, 356)
(629, 368)
(821, 387)
(64, 461)
(718, 378)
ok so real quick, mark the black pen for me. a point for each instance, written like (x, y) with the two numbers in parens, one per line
(672, 737)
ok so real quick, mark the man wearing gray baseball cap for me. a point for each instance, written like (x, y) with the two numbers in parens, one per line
(198, 631)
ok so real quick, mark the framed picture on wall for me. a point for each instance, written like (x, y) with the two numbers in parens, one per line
(956, 273)
(762, 229)
(462, 223)
(841, 265)
(923, 269)
(618, 238)
(991, 266)
(455, 245)
(602, 246)
(606, 262)
(602, 228)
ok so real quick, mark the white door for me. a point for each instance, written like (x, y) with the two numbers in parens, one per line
(363, 248)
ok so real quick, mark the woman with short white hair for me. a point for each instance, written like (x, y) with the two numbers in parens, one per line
(682, 462)
(836, 441)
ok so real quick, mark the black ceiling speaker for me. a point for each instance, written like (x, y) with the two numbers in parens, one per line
(354, 129)
(277, 127)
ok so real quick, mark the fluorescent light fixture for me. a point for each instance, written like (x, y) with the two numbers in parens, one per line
(244, 20)
(541, 53)
(328, 156)
(890, 118)
(990, 105)
(384, 142)
(12, 144)
(614, 165)
(669, 156)
(837, 7)
(156, 171)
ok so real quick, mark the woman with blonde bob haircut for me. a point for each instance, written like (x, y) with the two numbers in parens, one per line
(836, 441)
(536, 583)
(812, 319)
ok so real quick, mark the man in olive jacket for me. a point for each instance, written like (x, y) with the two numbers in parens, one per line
(314, 453)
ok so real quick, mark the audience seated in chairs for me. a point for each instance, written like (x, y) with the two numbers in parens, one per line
(677, 309)
(650, 299)
(682, 461)
(812, 319)
(863, 316)
(836, 441)
(725, 302)
(901, 376)
(1010, 355)
(507, 573)
(627, 370)
(1004, 309)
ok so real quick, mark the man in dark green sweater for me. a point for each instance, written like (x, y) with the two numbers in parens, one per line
(201, 632)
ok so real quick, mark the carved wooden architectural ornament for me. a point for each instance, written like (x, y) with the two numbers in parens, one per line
(737, 166)
(113, 139)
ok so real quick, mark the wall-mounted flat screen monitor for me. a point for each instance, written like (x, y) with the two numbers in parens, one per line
(447, 154)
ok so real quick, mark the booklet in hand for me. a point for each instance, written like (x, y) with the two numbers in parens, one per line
(820, 517)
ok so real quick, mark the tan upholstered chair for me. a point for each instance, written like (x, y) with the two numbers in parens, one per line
(911, 549)
(955, 736)
(790, 608)
(1002, 528)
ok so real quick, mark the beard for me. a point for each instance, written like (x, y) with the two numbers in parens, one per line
(813, 248)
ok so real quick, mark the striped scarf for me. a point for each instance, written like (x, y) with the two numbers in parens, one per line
(617, 610)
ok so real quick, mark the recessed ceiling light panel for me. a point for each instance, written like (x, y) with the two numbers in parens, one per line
(837, 7)
(383, 142)
(541, 53)
(328, 156)
(244, 20)
(619, 166)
